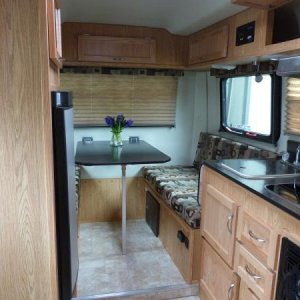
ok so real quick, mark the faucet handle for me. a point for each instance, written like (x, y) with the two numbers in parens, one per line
(297, 158)
(285, 156)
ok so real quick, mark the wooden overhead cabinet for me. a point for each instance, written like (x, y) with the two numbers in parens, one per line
(116, 49)
(208, 44)
(264, 4)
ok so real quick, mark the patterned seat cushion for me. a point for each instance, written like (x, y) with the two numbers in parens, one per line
(188, 208)
(77, 185)
(206, 148)
(178, 185)
(154, 174)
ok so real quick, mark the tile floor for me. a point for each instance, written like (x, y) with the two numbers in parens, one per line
(146, 266)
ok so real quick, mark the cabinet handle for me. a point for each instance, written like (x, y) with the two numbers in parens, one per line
(253, 275)
(229, 292)
(253, 236)
(118, 58)
(229, 223)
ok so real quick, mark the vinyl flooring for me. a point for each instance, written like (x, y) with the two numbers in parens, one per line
(103, 270)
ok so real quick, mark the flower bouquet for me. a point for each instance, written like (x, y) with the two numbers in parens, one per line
(117, 124)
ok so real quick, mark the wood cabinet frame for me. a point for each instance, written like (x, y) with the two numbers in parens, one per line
(209, 44)
(54, 32)
(116, 49)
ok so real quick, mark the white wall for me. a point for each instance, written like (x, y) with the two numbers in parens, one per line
(179, 142)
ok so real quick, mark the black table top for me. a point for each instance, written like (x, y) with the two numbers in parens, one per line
(102, 153)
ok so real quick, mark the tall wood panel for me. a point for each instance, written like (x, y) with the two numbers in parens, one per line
(100, 199)
(27, 235)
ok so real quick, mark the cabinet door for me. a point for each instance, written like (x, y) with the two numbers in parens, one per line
(265, 4)
(207, 45)
(181, 256)
(219, 218)
(54, 32)
(217, 280)
(116, 49)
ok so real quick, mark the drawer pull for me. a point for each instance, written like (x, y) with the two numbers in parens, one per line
(229, 292)
(253, 236)
(229, 223)
(118, 58)
(253, 275)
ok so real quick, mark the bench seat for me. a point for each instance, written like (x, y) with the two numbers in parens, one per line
(178, 185)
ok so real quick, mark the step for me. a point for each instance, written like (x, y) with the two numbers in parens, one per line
(158, 293)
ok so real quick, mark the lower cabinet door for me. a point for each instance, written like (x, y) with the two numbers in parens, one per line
(219, 222)
(217, 280)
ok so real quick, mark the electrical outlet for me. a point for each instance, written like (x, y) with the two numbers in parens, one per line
(134, 139)
(87, 139)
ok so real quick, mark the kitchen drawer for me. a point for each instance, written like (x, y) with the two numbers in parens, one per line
(245, 293)
(253, 273)
(258, 238)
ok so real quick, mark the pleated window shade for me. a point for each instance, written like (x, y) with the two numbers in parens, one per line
(293, 106)
(147, 100)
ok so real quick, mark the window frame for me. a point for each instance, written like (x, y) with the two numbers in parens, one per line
(276, 85)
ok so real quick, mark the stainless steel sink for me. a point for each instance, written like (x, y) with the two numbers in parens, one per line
(288, 191)
(259, 169)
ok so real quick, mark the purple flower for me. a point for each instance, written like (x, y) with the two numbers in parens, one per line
(117, 124)
(109, 121)
(120, 118)
(128, 123)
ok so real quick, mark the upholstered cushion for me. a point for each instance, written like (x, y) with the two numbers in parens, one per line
(178, 185)
(158, 173)
(171, 188)
(77, 185)
(206, 148)
(238, 150)
(188, 208)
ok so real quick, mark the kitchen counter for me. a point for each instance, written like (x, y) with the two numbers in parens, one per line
(257, 186)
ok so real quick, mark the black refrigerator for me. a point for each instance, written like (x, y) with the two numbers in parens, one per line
(65, 194)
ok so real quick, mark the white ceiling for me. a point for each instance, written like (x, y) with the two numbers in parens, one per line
(177, 16)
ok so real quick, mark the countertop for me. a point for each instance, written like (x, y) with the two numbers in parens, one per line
(258, 186)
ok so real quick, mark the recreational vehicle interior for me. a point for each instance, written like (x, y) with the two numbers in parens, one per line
(150, 149)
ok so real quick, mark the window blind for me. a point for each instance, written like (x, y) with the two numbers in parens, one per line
(147, 100)
(293, 106)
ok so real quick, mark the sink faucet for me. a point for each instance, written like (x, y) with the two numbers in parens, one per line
(297, 162)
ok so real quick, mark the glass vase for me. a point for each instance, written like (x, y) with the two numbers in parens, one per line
(116, 139)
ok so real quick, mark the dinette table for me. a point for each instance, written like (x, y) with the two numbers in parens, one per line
(101, 153)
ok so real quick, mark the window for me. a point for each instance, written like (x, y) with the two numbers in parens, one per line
(147, 100)
(292, 120)
(251, 106)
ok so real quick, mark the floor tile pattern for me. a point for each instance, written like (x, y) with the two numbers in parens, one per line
(146, 266)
